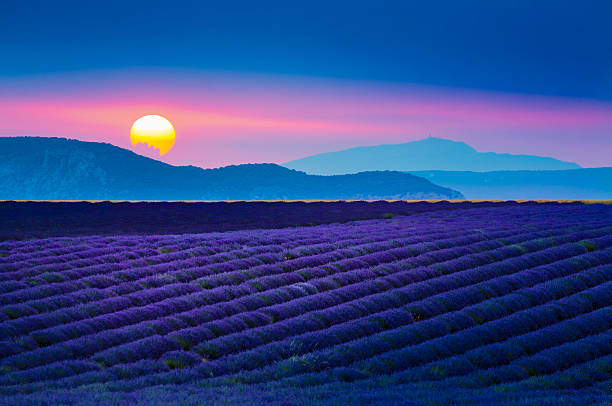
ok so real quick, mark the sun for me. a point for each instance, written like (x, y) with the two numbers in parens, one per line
(156, 131)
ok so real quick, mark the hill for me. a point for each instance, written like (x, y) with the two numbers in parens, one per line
(37, 168)
(427, 154)
(583, 184)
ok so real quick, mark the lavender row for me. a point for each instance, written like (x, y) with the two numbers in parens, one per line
(489, 355)
(261, 356)
(582, 375)
(245, 365)
(283, 309)
(322, 285)
(13, 324)
(582, 352)
(516, 324)
(381, 350)
(281, 298)
(296, 328)
(155, 255)
(506, 352)
(326, 230)
(17, 309)
(127, 270)
(219, 258)
(58, 245)
(190, 375)
(190, 240)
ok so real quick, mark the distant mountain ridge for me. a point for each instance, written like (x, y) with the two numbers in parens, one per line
(40, 168)
(426, 154)
(569, 184)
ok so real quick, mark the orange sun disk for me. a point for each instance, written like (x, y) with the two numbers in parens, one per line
(155, 131)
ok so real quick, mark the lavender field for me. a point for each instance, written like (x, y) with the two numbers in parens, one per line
(501, 303)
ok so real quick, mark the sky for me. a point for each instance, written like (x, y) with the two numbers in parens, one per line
(271, 81)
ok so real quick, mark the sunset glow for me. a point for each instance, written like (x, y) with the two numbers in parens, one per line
(231, 119)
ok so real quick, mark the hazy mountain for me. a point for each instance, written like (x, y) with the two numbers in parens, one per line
(583, 184)
(427, 154)
(35, 168)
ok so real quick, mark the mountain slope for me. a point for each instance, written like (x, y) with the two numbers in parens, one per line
(584, 183)
(427, 154)
(36, 168)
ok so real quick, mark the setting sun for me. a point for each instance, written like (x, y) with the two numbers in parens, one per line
(156, 131)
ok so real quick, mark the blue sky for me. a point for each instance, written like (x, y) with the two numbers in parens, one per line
(547, 47)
